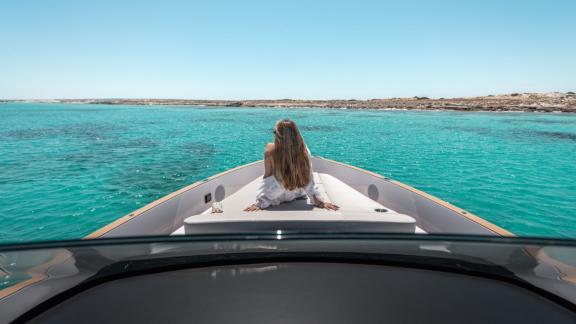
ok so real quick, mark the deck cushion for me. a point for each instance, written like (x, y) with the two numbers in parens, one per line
(356, 213)
(346, 197)
(303, 221)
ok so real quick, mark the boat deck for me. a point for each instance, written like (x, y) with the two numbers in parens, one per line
(332, 190)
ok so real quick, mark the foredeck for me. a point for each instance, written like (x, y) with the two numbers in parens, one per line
(354, 206)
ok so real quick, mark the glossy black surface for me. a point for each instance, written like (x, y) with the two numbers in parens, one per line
(306, 293)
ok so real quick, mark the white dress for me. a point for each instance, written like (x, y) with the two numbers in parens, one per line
(272, 193)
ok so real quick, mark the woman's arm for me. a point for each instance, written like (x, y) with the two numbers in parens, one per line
(315, 196)
(268, 171)
(312, 190)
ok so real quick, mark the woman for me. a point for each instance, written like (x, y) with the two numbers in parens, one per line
(287, 170)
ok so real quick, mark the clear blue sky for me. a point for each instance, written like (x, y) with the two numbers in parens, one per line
(285, 49)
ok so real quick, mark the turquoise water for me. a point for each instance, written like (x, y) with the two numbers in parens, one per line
(66, 170)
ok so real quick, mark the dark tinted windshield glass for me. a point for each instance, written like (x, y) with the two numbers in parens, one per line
(544, 267)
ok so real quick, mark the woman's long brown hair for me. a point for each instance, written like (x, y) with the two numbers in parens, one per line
(290, 156)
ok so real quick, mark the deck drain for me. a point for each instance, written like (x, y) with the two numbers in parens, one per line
(380, 210)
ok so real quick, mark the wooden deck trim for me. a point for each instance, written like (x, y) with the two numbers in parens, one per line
(567, 271)
(37, 274)
(463, 213)
(109, 227)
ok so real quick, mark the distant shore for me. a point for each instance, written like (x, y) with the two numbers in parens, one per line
(515, 102)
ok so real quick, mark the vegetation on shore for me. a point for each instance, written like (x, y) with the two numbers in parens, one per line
(530, 102)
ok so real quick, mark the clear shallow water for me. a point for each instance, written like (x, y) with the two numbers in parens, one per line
(66, 170)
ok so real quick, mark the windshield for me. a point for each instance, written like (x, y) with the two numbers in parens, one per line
(122, 120)
(545, 267)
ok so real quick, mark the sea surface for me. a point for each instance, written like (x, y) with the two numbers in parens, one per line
(66, 170)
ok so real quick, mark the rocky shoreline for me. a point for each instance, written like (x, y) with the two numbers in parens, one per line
(515, 102)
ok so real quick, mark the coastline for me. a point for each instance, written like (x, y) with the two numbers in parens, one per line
(554, 102)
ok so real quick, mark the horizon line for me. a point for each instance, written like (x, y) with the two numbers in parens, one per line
(296, 99)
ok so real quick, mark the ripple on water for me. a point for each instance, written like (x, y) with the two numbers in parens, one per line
(541, 121)
(556, 135)
(86, 130)
(319, 128)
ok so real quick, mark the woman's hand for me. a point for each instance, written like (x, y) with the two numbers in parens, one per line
(252, 208)
(327, 205)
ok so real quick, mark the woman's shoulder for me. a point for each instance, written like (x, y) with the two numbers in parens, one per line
(269, 148)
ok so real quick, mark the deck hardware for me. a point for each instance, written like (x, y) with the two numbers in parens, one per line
(380, 210)
(373, 192)
(219, 193)
(207, 197)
